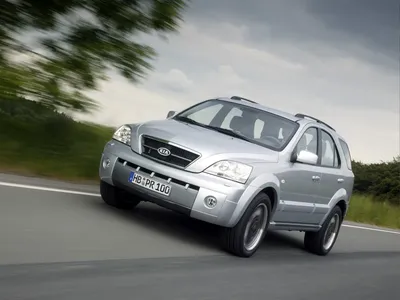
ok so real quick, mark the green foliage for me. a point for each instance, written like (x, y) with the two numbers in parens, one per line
(382, 180)
(39, 140)
(72, 44)
(365, 209)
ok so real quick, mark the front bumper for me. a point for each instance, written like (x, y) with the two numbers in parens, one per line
(188, 190)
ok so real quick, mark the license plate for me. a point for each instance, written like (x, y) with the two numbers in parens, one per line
(150, 184)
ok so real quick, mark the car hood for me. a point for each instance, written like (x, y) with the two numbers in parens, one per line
(212, 145)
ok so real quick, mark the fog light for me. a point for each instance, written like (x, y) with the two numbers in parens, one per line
(210, 201)
(106, 163)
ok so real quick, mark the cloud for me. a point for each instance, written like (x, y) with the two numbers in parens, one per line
(175, 80)
(124, 103)
(373, 24)
(296, 55)
(365, 28)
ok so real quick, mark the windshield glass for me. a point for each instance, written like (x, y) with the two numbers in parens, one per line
(241, 121)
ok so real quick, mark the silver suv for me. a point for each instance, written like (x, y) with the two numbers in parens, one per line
(237, 164)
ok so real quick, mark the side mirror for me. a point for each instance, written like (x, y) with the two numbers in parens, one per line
(306, 157)
(171, 113)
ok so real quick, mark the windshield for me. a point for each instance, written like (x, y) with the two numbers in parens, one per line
(241, 121)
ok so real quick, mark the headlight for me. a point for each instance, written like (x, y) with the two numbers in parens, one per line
(123, 134)
(230, 170)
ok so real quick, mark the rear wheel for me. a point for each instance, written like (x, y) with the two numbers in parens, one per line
(246, 237)
(322, 242)
(116, 197)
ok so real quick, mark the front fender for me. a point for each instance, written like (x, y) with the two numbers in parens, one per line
(254, 188)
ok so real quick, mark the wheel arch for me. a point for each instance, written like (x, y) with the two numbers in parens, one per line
(272, 193)
(343, 206)
(341, 203)
(268, 185)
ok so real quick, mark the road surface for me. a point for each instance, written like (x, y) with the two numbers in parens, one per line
(60, 241)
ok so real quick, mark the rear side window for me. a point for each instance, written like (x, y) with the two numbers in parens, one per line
(346, 151)
(329, 153)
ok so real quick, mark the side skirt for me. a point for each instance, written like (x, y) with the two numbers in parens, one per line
(293, 226)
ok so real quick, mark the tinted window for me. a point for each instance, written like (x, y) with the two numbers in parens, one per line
(329, 153)
(229, 116)
(308, 141)
(346, 151)
(258, 126)
(206, 114)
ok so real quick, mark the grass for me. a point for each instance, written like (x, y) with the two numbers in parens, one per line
(369, 210)
(61, 149)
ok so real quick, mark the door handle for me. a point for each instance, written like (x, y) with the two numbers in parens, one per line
(340, 180)
(316, 178)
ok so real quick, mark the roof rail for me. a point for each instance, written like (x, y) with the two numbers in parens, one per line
(241, 98)
(315, 119)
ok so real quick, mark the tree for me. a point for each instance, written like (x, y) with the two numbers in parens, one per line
(71, 44)
(382, 180)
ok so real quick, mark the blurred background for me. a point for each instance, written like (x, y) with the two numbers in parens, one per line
(72, 71)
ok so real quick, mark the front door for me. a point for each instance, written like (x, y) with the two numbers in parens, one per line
(299, 185)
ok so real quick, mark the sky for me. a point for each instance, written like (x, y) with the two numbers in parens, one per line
(336, 60)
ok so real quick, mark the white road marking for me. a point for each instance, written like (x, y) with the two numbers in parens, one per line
(40, 188)
(371, 229)
(46, 189)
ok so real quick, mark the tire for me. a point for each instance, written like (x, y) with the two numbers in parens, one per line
(315, 242)
(116, 197)
(234, 238)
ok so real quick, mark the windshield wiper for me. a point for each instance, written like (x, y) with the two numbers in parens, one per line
(190, 121)
(231, 133)
(219, 129)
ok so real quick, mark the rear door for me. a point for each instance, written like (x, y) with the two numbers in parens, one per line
(332, 179)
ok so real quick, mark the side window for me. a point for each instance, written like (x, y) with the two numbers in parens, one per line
(329, 151)
(346, 151)
(206, 115)
(308, 141)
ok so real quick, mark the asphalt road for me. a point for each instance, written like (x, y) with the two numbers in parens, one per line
(58, 245)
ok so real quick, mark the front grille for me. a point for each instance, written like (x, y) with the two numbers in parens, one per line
(179, 157)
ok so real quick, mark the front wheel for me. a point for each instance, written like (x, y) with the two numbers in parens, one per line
(116, 197)
(246, 237)
(322, 242)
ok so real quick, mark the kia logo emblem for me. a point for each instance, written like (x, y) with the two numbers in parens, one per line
(163, 151)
